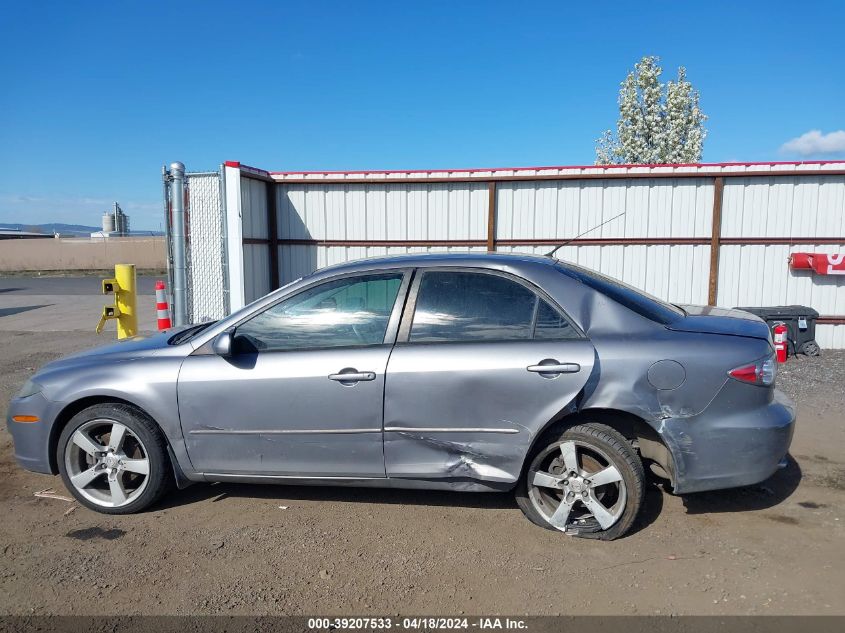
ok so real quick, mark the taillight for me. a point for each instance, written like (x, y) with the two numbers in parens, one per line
(762, 372)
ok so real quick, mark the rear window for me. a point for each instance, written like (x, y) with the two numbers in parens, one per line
(460, 306)
(636, 300)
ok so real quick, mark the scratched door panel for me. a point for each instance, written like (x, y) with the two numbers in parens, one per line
(471, 410)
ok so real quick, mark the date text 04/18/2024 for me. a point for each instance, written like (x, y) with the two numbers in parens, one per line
(416, 623)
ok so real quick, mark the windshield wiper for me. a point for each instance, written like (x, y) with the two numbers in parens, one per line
(183, 336)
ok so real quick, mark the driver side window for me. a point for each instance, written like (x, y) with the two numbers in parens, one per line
(342, 313)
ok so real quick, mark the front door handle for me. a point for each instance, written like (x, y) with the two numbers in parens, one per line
(350, 376)
(555, 368)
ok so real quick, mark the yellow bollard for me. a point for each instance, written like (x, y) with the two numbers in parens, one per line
(124, 310)
(127, 321)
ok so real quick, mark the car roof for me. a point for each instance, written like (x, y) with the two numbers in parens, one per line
(466, 258)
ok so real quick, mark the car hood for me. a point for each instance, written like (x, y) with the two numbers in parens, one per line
(126, 349)
(713, 320)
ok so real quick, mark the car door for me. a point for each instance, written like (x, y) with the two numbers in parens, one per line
(483, 361)
(301, 393)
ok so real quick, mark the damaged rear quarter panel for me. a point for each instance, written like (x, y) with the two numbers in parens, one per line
(685, 417)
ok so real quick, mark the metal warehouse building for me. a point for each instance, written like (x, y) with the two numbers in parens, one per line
(705, 233)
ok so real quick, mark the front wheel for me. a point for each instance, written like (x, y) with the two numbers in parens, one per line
(585, 481)
(113, 459)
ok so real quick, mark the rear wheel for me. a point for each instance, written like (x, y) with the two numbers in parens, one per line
(113, 459)
(585, 481)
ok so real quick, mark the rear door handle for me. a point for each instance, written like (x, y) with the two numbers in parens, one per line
(346, 376)
(560, 368)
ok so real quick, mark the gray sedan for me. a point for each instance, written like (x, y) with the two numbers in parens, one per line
(453, 371)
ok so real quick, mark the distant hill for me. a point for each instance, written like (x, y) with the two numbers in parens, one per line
(49, 229)
(65, 229)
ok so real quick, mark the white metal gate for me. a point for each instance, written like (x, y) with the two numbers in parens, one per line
(205, 245)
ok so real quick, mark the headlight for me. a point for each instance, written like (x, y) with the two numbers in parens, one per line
(29, 388)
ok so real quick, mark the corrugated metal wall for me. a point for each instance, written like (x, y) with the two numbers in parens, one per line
(753, 275)
(656, 209)
(434, 212)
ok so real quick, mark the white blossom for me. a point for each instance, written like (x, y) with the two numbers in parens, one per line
(658, 123)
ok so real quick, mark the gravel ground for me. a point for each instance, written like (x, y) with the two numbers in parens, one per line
(819, 380)
(775, 548)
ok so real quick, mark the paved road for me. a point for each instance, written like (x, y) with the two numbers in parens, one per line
(50, 285)
(56, 304)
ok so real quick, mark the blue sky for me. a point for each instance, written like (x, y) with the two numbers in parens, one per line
(97, 96)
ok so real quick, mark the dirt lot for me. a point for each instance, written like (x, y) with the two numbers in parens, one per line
(240, 549)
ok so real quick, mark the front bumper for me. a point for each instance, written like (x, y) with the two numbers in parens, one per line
(32, 439)
(728, 447)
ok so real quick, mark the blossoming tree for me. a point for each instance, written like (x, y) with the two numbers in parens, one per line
(658, 123)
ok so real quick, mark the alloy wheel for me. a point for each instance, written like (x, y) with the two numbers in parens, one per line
(107, 463)
(576, 487)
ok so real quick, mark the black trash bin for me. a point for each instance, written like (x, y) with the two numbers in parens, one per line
(800, 322)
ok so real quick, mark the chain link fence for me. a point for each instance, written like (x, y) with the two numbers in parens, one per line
(205, 247)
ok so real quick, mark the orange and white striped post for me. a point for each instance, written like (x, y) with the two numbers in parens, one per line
(162, 309)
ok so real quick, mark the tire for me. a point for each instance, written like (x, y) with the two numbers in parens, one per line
(810, 348)
(114, 459)
(597, 448)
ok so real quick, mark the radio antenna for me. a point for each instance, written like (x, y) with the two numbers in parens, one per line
(552, 252)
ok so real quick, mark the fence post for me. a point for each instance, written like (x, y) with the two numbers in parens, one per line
(177, 203)
(491, 215)
(715, 241)
(273, 235)
(168, 244)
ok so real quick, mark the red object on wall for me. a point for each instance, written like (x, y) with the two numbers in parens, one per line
(819, 263)
(780, 333)
(800, 261)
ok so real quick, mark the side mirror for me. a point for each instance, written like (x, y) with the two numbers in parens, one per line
(222, 345)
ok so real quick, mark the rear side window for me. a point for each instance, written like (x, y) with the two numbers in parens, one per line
(636, 300)
(551, 324)
(466, 306)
